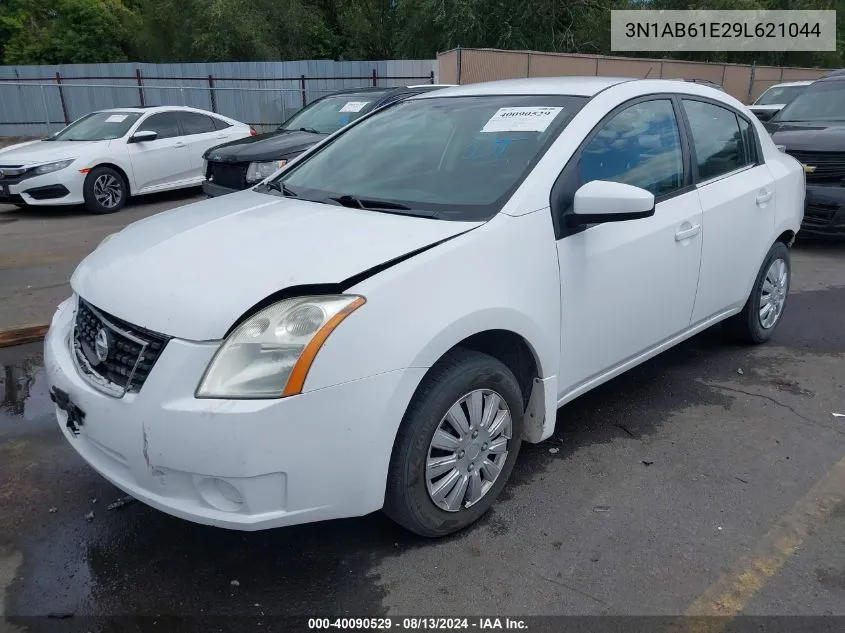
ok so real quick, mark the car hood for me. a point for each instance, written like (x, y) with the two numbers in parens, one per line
(263, 147)
(816, 136)
(45, 151)
(17, 146)
(191, 272)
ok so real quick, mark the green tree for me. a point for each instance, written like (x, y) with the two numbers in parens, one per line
(65, 31)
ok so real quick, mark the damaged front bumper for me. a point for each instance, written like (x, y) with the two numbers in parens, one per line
(239, 464)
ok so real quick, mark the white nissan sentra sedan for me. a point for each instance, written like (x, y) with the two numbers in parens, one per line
(383, 322)
(104, 157)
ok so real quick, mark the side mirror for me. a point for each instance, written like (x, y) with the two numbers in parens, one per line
(601, 201)
(141, 137)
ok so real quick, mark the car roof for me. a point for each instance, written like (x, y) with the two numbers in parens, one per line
(159, 108)
(576, 86)
(571, 86)
(835, 74)
(787, 84)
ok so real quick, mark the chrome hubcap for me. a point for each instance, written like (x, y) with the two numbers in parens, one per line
(773, 294)
(108, 191)
(468, 450)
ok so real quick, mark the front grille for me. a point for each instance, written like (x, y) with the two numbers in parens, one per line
(12, 174)
(130, 352)
(231, 175)
(818, 214)
(829, 166)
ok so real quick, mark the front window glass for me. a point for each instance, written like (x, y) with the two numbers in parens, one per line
(329, 114)
(98, 126)
(779, 94)
(821, 101)
(457, 158)
(640, 146)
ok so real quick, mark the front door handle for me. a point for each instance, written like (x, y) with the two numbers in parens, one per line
(763, 196)
(180, 145)
(685, 234)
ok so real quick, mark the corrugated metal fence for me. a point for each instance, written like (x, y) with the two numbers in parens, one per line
(746, 83)
(35, 100)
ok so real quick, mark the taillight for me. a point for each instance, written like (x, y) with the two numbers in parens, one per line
(252, 131)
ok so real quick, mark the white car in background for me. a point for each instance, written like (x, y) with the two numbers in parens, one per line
(775, 98)
(384, 321)
(104, 157)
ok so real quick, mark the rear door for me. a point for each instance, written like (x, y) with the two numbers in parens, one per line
(736, 191)
(200, 134)
(163, 162)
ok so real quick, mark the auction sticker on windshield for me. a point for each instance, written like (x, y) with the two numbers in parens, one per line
(354, 106)
(535, 119)
(116, 118)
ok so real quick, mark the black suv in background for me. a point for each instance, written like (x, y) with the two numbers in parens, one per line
(812, 129)
(243, 163)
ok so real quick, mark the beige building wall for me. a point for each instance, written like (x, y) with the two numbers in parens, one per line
(746, 83)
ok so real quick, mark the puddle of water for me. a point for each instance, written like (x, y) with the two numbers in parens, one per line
(25, 404)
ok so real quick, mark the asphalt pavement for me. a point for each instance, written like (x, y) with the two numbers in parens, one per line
(41, 246)
(708, 481)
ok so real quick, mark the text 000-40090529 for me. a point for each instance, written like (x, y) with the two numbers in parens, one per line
(813, 30)
(419, 623)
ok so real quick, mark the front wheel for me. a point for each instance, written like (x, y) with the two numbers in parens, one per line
(105, 190)
(765, 306)
(457, 445)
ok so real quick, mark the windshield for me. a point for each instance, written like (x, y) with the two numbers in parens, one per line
(98, 126)
(457, 158)
(821, 101)
(779, 94)
(329, 114)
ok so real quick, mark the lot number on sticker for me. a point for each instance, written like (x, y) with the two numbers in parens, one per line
(535, 119)
(116, 118)
(354, 106)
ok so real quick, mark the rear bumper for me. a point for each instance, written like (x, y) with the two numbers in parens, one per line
(824, 212)
(212, 190)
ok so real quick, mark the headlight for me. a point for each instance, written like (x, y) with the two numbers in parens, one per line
(51, 167)
(260, 171)
(269, 354)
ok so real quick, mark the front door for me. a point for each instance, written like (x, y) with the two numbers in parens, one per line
(163, 162)
(628, 286)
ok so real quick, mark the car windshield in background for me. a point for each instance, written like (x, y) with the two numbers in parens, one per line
(98, 126)
(457, 158)
(329, 114)
(774, 96)
(821, 101)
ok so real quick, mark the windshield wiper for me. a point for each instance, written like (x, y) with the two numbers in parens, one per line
(282, 188)
(310, 130)
(382, 205)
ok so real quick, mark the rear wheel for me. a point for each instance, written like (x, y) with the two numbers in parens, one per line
(105, 190)
(765, 306)
(457, 445)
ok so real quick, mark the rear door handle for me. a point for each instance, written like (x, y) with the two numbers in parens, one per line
(685, 234)
(221, 136)
(763, 196)
(180, 144)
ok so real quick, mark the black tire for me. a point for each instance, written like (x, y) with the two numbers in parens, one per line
(109, 175)
(746, 326)
(407, 500)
